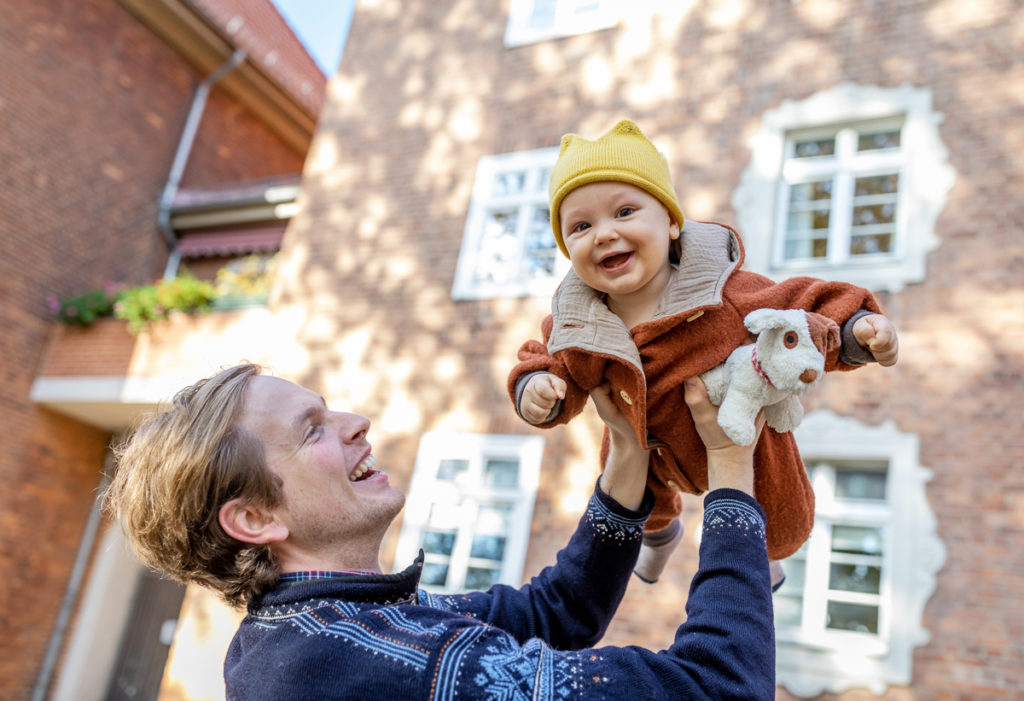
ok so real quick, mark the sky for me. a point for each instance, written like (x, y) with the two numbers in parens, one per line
(322, 25)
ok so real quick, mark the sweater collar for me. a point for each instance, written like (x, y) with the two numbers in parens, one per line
(382, 589)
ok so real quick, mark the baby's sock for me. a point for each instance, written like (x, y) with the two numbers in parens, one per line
(778, 574)
(655, 551)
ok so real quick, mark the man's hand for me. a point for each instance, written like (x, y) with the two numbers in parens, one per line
(625, 472)
(876, 333)
(539, 397)
(729, 465)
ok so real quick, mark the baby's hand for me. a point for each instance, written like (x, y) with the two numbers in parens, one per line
(876, 333)
(540, 395)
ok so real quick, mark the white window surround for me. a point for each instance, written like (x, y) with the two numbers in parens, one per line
(461, 500)
(494, 262)
(562, 18)
(925, 180)
(914, 557)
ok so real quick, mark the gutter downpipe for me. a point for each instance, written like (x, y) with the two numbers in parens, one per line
(71, 594)
(188, 137)
(164, 224)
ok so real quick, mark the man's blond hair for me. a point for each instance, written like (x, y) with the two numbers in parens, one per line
(175, 471)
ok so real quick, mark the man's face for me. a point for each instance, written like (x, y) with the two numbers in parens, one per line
(618, 237)
(333, 493)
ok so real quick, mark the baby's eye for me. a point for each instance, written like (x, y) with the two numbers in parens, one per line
(578, 228)
(626, 211)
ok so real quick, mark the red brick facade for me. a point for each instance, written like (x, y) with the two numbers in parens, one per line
(417, 115)
(369, 261)
(92, 108)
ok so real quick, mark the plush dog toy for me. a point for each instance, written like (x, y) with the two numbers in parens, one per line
(787, 358)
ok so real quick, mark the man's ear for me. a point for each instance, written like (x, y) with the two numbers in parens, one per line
(248, 523)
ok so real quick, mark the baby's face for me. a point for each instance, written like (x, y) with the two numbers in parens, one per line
(618, 238)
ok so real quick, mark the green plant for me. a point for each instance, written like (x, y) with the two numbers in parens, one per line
(84, 309)
(141, 305)
(250, 277)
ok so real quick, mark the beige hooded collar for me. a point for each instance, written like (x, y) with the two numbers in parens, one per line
(709, 253)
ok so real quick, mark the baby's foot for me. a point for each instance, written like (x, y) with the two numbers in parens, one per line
(656, 549)
(778, 574)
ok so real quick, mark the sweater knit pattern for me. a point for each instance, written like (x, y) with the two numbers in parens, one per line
(380, 637)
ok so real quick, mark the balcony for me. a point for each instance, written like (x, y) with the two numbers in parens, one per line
(105, 377)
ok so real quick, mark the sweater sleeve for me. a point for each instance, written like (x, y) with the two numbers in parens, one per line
(570, 604)
(840, 301)
(724, 650)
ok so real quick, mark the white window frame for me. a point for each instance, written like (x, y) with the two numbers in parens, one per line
(925, 180)
(467, 494)
(810, 662)
(475, 254)
(570, 17)
(841, 170)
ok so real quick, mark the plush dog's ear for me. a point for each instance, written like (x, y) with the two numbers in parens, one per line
(761, 319)
(824, 332)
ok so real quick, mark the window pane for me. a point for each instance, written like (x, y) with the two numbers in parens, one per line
(808, 219)
(860, 484)
(501, 473)
(877, 185)
(448, 470)
(434, 574)
(861, 245)
(813, 191)
(480, 577)
(541, 250)
(438, 543)
(489, 547)
(506, 184)
(860, 540)
(871, 215)
(816, 147)
(878, 140)
(806, 248)
(855, 617)
(543, 180)
(858, 578)
(499, 247)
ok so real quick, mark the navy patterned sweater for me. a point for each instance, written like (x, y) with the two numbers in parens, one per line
(377, 637)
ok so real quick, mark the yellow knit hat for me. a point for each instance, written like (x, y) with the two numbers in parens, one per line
(623, 155)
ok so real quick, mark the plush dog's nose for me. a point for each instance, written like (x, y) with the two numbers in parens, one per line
(808, 376)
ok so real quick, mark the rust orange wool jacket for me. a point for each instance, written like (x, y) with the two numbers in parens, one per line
(699, 321)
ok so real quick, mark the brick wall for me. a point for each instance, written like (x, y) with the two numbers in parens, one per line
(92, 109)
(388, 186)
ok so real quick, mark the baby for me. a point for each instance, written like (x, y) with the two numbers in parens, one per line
(652, 300)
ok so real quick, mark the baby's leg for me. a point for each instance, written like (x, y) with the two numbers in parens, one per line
(656, 549)
(778, 574)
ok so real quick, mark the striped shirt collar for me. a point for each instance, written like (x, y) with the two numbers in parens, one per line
(292, 577)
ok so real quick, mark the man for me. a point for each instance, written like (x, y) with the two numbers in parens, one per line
(250, 485)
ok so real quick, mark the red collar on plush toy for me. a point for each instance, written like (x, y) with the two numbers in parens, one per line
(757, 366)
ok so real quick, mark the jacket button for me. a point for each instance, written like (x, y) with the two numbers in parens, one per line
(625, 397)
(673, 485)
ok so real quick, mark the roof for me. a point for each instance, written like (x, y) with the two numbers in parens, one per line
(256, 27)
